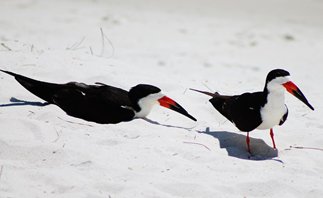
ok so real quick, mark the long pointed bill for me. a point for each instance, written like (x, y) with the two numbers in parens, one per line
(294, 90)
(171, 104)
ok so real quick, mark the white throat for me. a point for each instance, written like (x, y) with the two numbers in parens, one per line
(147, 103)
(275, 108)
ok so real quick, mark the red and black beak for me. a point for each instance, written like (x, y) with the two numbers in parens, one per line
(171, 104)
(293, 89)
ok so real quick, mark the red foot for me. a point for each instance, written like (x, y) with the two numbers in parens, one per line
(248, 142)
(272, 138)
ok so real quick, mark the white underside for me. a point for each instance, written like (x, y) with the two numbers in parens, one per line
(275, 108)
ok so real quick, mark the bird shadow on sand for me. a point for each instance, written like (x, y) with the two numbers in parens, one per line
(17, 102)
(235, 144)
(167, 125)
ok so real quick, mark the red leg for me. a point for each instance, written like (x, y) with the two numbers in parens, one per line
(248, 142)
(272, 138)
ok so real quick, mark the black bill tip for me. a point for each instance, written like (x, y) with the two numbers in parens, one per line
(171, 104)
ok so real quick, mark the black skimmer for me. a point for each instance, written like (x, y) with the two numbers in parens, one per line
(259, 110)
(100, 103)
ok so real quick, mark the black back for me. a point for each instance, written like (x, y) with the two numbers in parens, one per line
(98, 103)
(242, 110)
(102, 104)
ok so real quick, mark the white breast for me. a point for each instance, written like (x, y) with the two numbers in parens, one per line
(274, 109)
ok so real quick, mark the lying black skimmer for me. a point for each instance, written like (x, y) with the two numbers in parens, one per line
(259, 110)
(100, 103)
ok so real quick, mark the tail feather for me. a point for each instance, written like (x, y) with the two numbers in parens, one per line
(205, 92)
(43, 90)
(219, 102)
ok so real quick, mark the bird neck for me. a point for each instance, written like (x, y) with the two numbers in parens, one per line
(144, 108)
(144, 105)
(136, 106)
(275, 95)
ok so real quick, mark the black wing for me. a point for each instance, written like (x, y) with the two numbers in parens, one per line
(242, 110)
(101, 104)
(97, 103)
(284, 118)
(41, 89)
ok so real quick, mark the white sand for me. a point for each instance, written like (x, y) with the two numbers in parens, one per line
(226, 46)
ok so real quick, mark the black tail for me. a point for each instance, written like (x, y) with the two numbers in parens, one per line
(219, 102)
(43, 90)
(205, 92)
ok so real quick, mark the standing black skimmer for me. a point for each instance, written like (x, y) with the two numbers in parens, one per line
(100, 103)
(259, 110)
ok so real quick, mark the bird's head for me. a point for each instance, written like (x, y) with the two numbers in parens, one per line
(278, 80)
(144, 97)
